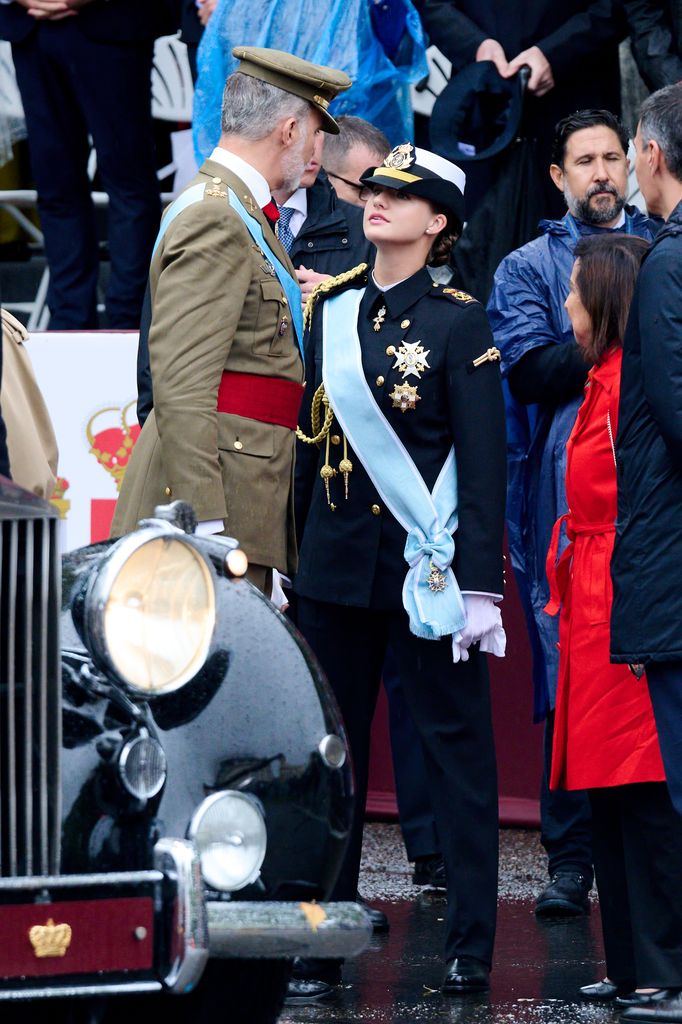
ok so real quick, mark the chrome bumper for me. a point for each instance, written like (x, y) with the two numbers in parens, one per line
(285, 930)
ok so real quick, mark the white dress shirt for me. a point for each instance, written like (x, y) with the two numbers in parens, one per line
(298, 202)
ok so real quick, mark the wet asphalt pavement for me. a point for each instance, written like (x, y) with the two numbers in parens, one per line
(539, 965)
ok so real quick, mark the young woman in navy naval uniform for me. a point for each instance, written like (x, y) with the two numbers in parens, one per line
(400, 372)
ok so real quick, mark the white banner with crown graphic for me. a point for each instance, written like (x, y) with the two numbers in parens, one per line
(88, 380)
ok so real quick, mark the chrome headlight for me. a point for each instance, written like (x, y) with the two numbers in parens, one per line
(228, 829)
(142, 767)
(150, 612)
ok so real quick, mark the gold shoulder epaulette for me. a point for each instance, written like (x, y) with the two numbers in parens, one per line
(459, 296)
(324, 287)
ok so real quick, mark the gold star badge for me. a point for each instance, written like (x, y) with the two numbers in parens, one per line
(404, 397)
(411, 358)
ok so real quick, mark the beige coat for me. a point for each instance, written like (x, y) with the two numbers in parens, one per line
(31, 442)
(216, 307)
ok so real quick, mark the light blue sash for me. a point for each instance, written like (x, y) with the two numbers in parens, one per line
(290, 286)
(428, 519)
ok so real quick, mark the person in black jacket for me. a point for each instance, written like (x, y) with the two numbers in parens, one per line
(570, 47)
(420, 362)
(646, 623)
(656, 39)
(84, 69)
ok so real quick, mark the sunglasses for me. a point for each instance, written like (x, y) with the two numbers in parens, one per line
(363, 192)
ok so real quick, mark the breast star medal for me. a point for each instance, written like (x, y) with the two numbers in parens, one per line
(404, 397)
(379, 318)
(411, 358)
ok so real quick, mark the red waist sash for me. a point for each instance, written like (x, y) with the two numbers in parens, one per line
(266, 399)
(558, 572)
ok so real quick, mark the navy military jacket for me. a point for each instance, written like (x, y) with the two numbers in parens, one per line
(351, 552)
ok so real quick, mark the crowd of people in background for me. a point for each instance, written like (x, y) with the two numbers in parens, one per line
(578, 362)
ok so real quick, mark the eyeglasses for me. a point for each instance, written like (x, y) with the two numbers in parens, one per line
(363, 192)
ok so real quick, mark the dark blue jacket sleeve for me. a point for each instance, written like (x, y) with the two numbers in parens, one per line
(660, 329)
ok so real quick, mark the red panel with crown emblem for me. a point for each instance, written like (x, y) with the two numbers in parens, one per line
(76, 937)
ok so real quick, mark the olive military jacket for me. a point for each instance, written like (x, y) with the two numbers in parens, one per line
(352, 547)
(216, 306)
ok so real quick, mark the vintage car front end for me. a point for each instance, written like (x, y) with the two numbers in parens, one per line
(180, 789)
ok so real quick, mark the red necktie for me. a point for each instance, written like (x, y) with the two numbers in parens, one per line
(271, 212)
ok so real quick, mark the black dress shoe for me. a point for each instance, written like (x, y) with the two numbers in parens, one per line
(304, 991)
(646, 998)
(565, 896)
(669, 1011)
(604, 991)
(430, 871)
(464, 974)
(380, 923)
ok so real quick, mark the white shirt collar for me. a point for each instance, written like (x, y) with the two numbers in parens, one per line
(299, 201)
(253, 179)
(387, 287)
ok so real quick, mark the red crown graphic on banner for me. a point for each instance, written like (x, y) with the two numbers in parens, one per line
(112, 445)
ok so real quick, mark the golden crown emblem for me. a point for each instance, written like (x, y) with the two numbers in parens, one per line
(61, 503)
(112, 445)
(50, 939)
(401, 156)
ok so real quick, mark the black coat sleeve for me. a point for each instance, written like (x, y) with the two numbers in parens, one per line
(550, 374)
(588, 32)
(145, 394)
(4, 456)
(477, 423)
(452, 31)
(660, 331)
(653, 42)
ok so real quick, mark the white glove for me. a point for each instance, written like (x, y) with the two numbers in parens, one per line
(459, 653)
(278, 597)
(484, 624)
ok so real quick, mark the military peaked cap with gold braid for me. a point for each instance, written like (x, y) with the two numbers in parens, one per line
(315, 83)
(423, 174)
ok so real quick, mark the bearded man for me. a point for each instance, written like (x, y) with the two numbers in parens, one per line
(225, 341)
(545, 376)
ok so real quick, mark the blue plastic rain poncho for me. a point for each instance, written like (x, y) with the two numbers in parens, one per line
(338, 33)
(526, 311)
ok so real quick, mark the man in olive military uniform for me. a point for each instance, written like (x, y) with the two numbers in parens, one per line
(225, 338)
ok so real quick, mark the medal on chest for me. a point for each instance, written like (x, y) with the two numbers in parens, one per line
(410, 358)
(404, 397)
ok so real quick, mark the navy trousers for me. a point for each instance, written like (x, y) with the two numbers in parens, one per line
(450, 707)
(665, 689)
(565, 821)
(413, 796)
(73, 87)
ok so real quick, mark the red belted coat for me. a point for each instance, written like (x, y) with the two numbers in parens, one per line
(604, 730)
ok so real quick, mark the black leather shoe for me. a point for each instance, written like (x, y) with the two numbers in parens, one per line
(646, 998)
(669, 1011)
(565, 896)
(604, 991)
(430, 871)
(380, 923)
(304, 991)
(464, 974)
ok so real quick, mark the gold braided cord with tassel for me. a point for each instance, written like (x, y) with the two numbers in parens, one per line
(322, 433)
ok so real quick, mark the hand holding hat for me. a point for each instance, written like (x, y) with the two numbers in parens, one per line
(541, 79)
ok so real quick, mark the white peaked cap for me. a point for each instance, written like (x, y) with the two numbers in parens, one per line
(442, 167)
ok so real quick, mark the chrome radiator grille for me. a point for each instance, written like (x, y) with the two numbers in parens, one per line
(30, 696)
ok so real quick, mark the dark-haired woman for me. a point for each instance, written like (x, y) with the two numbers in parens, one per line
(604, 735)
(399, 546)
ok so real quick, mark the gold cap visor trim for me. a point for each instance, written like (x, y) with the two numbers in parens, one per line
(392, 172)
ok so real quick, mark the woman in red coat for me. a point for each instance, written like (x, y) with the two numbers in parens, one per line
(604, 735)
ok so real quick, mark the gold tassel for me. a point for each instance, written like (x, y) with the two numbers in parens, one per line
(345, 466)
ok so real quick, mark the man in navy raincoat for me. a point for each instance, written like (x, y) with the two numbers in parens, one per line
(544, 379)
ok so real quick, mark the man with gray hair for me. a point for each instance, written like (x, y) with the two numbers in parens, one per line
(346, 156)
(225, 337)
(646, 619)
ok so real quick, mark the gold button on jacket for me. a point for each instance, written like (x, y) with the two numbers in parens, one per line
(376, 510)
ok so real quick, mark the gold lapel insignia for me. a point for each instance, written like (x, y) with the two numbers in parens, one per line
(268, 267)
(216, 192)
(379, 318)
(404, 397)
(437, 580)
(457, 294)
(250, 205)
(493, 355)
(411, 358)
